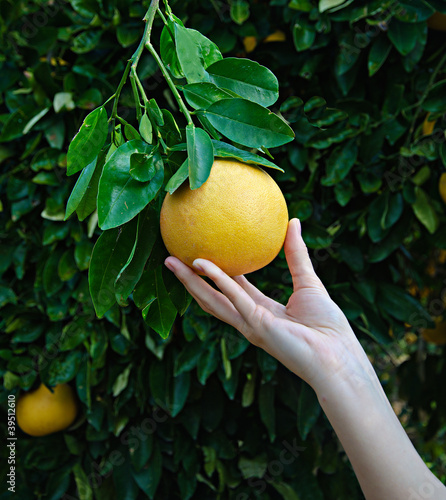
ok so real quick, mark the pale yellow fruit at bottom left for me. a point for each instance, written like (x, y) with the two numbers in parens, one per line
(42, 412)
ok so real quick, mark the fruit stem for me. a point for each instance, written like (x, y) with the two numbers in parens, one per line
(169, 81)
(134, 60)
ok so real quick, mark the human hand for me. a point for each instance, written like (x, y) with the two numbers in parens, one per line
(310, 335)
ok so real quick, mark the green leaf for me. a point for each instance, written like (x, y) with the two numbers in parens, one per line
(149, 477)
(248, 123)
(285, 490)
(195, 53)
(141, 450)
(87, 204)
(246, 78)
(155, 113)
(128, 35)
(181, 387)
(201, 95)
(160, 314)
(126, 486)
(131, 272)
(131, 133)
(178, 177)
(340, 163)
(145, 128)
(35, 119)
(224, 150)
(403, 36)
(208, 363)
(120, 197)
(85, 42)
(308, 410)
(109, 256)
(200, 155)
(239, 11)
(80, 188)
(167, 48)
(304, 35)
(329, 4)
(267, 409)
(84, 489)
(436, 99)
(67, 266)
(144, 166)
(400, 304)
(88, 142)
(378, 54)
(253, 467)
(64, 368)
(424, 211)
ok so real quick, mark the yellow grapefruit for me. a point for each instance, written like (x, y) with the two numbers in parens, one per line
(42, 412)
(428, 126)
(237, 219)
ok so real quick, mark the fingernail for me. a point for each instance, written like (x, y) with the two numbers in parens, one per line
(168, 264)
(298, 225)
(196, 263)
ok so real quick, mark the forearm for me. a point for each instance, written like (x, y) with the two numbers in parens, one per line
(385, 462)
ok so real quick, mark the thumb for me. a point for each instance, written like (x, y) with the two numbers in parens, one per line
(298, 259)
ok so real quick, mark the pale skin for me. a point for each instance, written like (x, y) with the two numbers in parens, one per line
(312, 338)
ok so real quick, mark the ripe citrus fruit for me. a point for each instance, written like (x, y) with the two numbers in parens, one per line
(442, 186)
(435, 335)
(437, 21)
(428, 126)
(237, 219)
(43, 412)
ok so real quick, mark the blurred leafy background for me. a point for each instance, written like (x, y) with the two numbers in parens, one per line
(202, 414)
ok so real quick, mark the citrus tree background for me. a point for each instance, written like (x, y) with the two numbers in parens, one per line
(201, 414)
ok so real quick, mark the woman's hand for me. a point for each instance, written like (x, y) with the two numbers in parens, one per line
(310, 335)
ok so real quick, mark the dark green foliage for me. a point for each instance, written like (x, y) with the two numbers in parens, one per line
(181, 406)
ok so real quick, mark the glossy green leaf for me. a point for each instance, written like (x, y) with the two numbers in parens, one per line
(248, 123)
(161, 314)
(155, 113)
(329, 4)
(109, 256)
(340, 163)
(239, 11)
(144, 166)
(267, 409)
(225, 150)
(145, 128)
(200, 155)
(149, 477)
(178, 177)
(378, 54)
(436, 99)
(86, 41)
(308, 410)
(167, 48)
(88, 142)
(131, 133)
(131, 272)
(201, 95)
(403, 36)
(424, 211)
(87, 205)
(120, 197)
(245, 78)
(195, 53)
(80, 188)
(304, 35)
